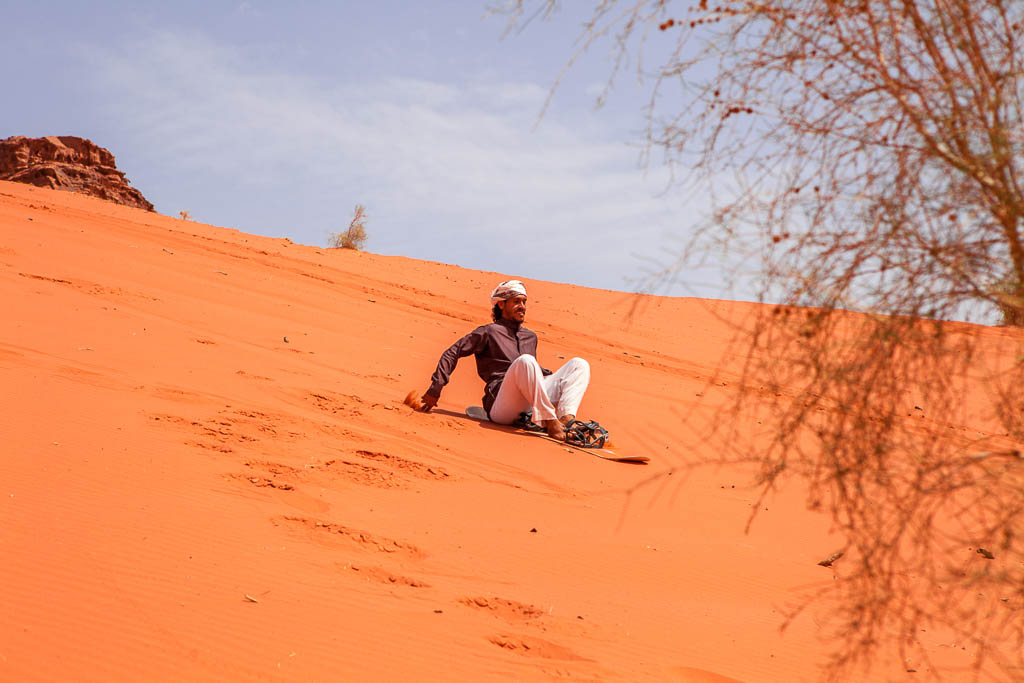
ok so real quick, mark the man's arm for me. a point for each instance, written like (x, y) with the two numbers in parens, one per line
(467, 346)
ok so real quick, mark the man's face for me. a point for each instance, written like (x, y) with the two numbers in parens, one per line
(514, 308)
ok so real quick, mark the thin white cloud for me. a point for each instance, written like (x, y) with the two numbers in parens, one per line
(450, 171)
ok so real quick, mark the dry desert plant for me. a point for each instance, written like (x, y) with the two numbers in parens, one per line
(355, 236)
(869, 157)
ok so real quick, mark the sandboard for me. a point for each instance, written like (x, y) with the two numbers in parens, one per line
(478, 413)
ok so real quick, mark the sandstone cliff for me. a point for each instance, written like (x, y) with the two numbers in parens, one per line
(67, 163)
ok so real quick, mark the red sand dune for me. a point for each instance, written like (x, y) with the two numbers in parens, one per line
(208, 474)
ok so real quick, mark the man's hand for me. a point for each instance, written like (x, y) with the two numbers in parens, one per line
(423, 404)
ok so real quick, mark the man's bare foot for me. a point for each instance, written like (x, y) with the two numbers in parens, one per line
(555, 429)
(566, 419)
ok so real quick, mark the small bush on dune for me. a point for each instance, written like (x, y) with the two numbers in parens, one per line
(355, 236)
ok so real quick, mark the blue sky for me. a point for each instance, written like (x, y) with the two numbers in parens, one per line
(277, 118)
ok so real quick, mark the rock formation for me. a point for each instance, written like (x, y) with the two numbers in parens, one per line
(67, 163)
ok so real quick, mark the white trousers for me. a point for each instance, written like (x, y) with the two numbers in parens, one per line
(526, 388)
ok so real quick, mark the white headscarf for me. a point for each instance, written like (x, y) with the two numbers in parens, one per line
(507, 290)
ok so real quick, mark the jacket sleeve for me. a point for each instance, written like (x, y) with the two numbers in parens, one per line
(467, 346)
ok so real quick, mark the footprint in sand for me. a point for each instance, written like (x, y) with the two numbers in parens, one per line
(506, 609)
(338, 534)
(381, 575)
(407, 466)
(529, 646)
(262, 482)
(356, 473)
(335, 403)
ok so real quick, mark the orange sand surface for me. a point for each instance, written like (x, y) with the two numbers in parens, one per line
(208, 473)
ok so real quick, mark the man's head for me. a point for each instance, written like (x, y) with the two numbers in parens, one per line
(508, 300)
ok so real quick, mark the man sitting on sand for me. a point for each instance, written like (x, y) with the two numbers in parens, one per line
(506, 360)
